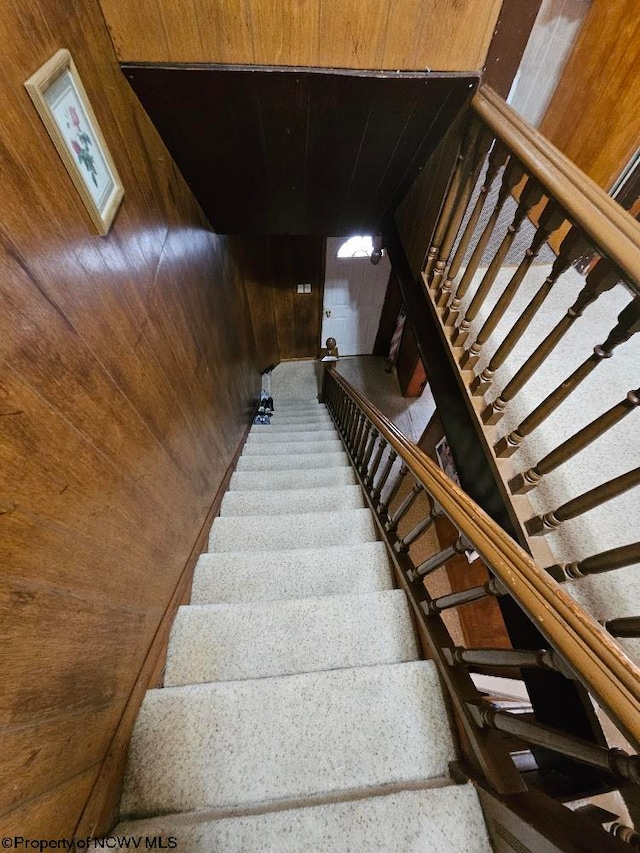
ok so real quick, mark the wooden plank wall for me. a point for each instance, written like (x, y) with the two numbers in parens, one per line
(438, 35)
(593, 116)
(127, 375)
(286, 324)
(417, 215)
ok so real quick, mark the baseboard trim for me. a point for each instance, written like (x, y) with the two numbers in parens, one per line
(100, 813)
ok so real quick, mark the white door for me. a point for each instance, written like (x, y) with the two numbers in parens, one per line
(354, 291)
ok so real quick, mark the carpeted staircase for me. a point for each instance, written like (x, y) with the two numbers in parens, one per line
(295, 714)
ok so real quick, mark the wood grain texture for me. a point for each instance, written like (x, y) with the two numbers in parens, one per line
(100, 812)
(286, 324)
(297, 152)
(508, 44)
(51, 815)
(481, 622)
(417, 216)
(128, 373)
(593, 116)
(410, 369)
(365, 34)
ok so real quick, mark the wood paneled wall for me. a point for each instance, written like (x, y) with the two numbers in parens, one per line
(286, 324)
(593, 116)
(127, 375)
(439, 35)
(417, 215)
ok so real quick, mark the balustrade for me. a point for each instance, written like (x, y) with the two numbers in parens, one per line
(473, 300)
(579, 650)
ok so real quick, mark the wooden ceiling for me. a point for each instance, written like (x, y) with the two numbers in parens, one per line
(298, 151)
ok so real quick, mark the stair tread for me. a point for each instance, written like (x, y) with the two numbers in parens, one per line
(430, 821)
(293, 460)
(291, 530)
(230, 642)
(271, 739)
(292, 573)
(292, 429)
(287, 501)
(283, 448)
(294, 478)
(262, 435)
(302, 417)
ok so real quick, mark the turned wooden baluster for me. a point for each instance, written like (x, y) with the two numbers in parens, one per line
(366, 458)
(626, 834)
(361, 423)
(527, 480)
(540, 524)
(388, 499)
(405, 506)
(377, 490)
(616, 761)
(510, 179)
(497, 159)
(342, 415)
(530, 196)
(448, 207)
(607, 561)
(370, 476)
(492, 587)
(547, 226)
(573, 246)
(440, 284)
(352, 413)
(362, 444)
(628, 324)
(402, 545)
(518, 658)
(602, 278)
(437, 560)
(347, 421)
(625, 628)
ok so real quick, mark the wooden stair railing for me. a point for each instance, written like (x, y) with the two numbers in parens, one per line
(575, 218)
(395, 473)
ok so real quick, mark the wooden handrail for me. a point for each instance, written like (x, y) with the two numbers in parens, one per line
(614, 232)
(598, 661)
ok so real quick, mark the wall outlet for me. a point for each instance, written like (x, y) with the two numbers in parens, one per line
(304, 288)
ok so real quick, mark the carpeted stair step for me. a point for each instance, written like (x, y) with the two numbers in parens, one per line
(428, 821)
(299, 530)
(292, 428)
(293, 479)
(238, 577)
(310, 421)
(292, 501)
(268, 740)
(302, 412)
(232, 642)
(304, 403)
(292, 460)
(283, 448)
(262, 435)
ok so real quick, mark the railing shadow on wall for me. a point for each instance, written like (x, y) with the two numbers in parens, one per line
(396, 475)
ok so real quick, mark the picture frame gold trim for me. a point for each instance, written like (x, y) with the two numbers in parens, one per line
(78, 138)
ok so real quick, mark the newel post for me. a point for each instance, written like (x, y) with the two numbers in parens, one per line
(329, 356)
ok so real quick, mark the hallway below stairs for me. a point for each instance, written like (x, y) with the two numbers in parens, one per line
(296, 714)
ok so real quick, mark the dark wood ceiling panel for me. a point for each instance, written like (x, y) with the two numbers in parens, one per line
(292, 151)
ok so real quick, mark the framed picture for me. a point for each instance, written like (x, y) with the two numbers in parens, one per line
(63, 105)
(445, 460)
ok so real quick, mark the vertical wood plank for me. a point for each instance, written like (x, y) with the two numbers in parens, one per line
(593, 116)
(128, 372)
(360, 34)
